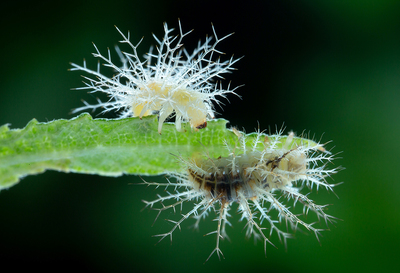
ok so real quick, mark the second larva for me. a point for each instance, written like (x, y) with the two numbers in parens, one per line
(255, 179)
(170, 82)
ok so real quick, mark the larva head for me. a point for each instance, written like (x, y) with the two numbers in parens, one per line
(280, 168)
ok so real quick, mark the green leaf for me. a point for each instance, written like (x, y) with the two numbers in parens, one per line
(105, 147)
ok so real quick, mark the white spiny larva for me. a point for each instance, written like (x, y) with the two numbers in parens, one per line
(176, 83)
(256, 179)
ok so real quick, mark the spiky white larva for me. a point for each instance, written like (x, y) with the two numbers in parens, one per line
(253, 179)
(176, 83)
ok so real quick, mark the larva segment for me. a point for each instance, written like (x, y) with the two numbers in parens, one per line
(253, 179)
(171, 82)
(219, 179)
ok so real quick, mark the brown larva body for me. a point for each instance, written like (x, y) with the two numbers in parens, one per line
(221, 185)
(222, 179)
(256, 177)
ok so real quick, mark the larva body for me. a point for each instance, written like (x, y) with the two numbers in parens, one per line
(218, 178)
(171, 82)
(255, 176)
(187, 104)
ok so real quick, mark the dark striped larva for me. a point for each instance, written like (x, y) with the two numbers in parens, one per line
(254, 179)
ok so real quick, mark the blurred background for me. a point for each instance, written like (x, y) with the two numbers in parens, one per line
(328, 67)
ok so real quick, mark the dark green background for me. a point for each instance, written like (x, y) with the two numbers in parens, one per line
(330, 67)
